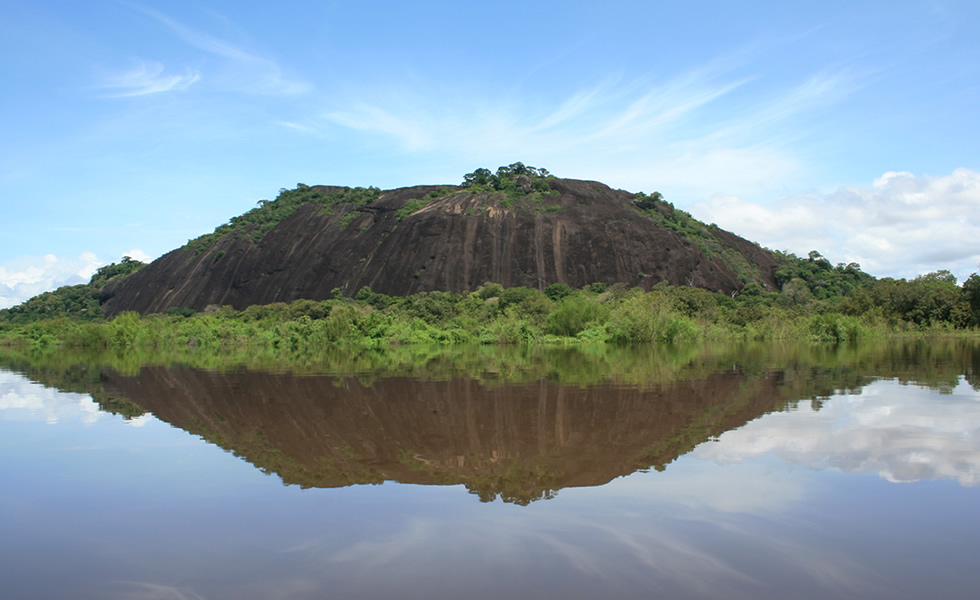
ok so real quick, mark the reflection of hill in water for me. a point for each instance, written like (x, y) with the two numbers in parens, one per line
(519, 441)
(446, 416)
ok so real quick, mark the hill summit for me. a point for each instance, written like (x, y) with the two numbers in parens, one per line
(519, 226)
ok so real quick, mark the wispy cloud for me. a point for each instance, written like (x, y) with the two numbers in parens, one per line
(818, 92)
(611, 112)
(253, 73)
(148, 78)
(712, 129)
(296, 126)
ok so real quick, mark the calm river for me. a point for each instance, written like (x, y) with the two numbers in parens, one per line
(756, 471)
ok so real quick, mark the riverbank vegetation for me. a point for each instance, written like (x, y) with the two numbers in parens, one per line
(817, 302)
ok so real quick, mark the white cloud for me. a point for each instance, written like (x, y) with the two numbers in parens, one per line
(23, 400)
(140, 421)
(700, 487)
(137, 254)
(23, 278)
(902, 225)
(885, 430)
(148, 78)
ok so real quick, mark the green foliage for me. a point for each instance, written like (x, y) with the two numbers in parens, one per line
(752, 294)
(504, 177)
(103, 275)
(531, 302)
(490, 290)
(431, 307)
(516, 183)
(497, 315)
(557, 291)
(926, 300)
(830, 327)
(347, 218)
(255, 223)
(823, 280)
(649, 318)
(410, 207)
(77, 301)
(971, 291)
(575, 314)
(655, 197)
(795, 292)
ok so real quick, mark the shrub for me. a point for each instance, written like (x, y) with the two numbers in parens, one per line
(575, 314)
(557, 291)
(410, 207)
(647, 318)
(490, 290)
(832, 327)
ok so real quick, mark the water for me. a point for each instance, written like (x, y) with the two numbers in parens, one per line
(741, 472)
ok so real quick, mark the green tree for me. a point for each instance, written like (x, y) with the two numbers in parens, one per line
(557, 291)
(971, 291)
(126, 266)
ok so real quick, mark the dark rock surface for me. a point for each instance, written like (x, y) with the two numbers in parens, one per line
(583, 232)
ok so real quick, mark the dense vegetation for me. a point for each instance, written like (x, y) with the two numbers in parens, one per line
(80, 302)
(517, 186)
(819, 302)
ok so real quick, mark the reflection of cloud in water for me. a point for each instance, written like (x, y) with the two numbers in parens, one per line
(138, 590)
(621, 552)
(140, 421)
(22, 400)
(903, 433)
(705, 487)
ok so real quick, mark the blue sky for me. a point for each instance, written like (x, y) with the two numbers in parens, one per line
(846, 127)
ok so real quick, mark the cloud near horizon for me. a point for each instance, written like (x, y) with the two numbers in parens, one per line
(23, 278)
(886, 429)
(902, 225)
(24, 400)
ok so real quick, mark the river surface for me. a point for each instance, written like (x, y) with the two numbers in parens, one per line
(755, 471)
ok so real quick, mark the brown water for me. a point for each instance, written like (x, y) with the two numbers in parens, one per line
(732, 472)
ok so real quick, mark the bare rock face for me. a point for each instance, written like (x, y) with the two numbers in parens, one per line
(453, 239)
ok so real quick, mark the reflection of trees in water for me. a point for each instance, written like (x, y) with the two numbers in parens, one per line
(518, 484)
(937, 362)
(512, 423)
(972, 374)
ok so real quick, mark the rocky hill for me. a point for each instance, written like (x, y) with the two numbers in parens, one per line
(518, 227)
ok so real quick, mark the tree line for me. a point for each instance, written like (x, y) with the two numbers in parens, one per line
(812, 305)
